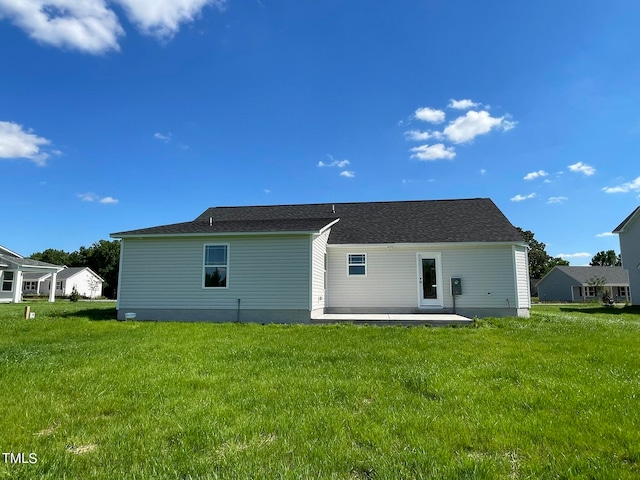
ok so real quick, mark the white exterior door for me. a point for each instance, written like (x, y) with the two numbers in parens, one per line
(429, 280)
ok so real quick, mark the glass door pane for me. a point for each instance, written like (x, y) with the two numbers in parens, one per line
(429, 278)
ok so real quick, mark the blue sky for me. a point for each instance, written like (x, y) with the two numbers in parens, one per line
(125, 114)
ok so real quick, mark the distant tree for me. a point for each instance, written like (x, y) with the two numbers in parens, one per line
(78, 258)
(553, 261)
(51, 255)
(606, 259)
(103, 257)
(540, 262)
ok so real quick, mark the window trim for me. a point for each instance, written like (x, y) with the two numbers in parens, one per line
(352, 264)
(204, 265)
(4, 280)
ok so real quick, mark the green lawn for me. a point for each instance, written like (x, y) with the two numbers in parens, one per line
(554, 396)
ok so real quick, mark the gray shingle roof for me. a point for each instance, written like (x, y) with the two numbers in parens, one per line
(26, 262)
(71, 271)
(425, 221)
(200, 226)
(582, 274)
(36, 276)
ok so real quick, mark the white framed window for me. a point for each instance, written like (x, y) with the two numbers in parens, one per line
(216, 266)
(59, 285)
(7, 281)
(590, 292)
(357, 264)
(29, 285)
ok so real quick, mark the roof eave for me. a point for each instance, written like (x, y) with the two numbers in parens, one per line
(214, 234)
(431, 244)
(627, 221)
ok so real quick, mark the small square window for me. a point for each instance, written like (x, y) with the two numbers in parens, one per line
(357, 264)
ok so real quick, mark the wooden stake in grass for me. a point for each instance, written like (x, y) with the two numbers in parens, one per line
(27, 312)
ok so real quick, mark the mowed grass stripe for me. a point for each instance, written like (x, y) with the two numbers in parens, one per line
(554, 396)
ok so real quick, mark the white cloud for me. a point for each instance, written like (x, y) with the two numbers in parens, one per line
(421, 136)
(483, 171)
(568, 256)
(557, 199)
(430, 115)
(338, 164)
(88, 26)
(166, 138)
(462, 104)
(91, 26)
(467, 127)
(582, 168)
(633, 186)
(521, 198)
(334, 163)
(534, 175)
(433, 152)
(162, 18)
(605, 234)
(92, 197)
(15, 142)
(87, 197)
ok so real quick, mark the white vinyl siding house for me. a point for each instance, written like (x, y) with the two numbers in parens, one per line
(393, 271)
(14, 268)
(162, 277)
(291, 263)
(629, 234)
(86, 282)
(319, 265)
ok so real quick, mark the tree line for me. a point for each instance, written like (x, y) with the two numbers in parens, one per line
(102, 257)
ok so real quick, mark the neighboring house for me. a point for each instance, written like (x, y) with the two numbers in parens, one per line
(13, 268)
(86, 282)
(582, 284)
(290, 263)
(629, 234)
(33, 283)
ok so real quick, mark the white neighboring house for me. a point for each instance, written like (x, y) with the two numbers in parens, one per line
(629, 234)
(87, 283)
(291, 263)
(13, 269)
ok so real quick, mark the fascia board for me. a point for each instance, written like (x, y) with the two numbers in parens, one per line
(424, 245)
(212, 234)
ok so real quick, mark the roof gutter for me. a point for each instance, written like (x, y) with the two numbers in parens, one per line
(423, 244)
(212, 234)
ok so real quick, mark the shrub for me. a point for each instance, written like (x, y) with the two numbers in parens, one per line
(75, 296)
